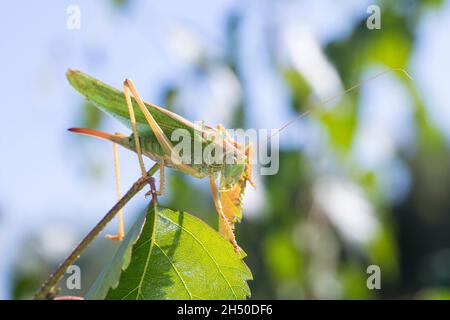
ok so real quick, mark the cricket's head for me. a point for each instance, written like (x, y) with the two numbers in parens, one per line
(232, 194)
(231, 174)
(120, 139)
(238, 170)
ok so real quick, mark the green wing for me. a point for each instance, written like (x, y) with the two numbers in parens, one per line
(112, 102)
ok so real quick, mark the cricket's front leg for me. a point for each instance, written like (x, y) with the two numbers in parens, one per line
(228, 232)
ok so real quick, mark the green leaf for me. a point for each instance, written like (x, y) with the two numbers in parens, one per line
(177, 256)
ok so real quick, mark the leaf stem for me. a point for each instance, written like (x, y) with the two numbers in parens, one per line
(47, 290)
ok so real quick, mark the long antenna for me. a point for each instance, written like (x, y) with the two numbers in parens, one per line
(304, 114)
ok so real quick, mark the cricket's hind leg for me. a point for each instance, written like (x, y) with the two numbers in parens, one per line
(128, 86)
(228, 232)
(160, 136)
(163, 140)
(120, 232)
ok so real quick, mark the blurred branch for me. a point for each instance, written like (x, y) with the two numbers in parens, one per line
(47, 290)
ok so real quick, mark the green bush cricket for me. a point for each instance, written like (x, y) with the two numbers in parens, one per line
(152, 126)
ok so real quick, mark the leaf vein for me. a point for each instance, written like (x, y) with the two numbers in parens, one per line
(176, 270)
